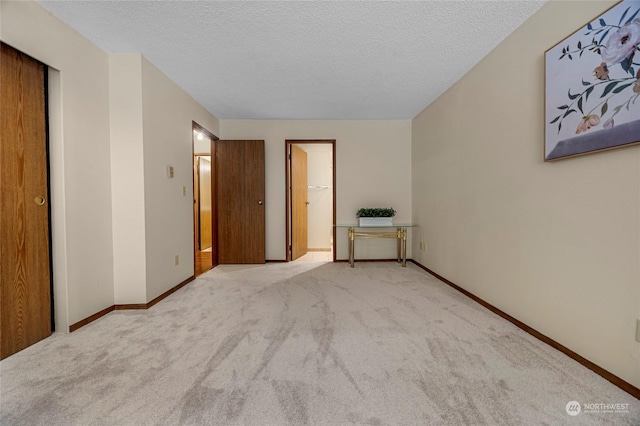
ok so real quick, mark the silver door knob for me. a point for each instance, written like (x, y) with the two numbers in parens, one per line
(260, 203)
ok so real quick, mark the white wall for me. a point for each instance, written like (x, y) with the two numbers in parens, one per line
(556, 245)
(127, 179)
(168, 113)
(373, 168)
(80, 173)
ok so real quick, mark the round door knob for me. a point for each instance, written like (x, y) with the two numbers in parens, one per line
(39, 200)
(260, 203)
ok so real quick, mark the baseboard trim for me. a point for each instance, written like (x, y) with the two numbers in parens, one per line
(370, 260)
(90, 319)
(275, 261)
(170, 291)
(622, 384)
(129, 306)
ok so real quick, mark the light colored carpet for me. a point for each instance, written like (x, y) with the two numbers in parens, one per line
(304, 343)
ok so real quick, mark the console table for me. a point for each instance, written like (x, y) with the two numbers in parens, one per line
(365, 232)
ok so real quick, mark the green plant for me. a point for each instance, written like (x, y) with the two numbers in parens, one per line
(376, 212)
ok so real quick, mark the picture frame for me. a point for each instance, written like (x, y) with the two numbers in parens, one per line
(592, 86)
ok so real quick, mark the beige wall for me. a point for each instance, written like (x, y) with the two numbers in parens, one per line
(168, 113)
(151, 129)
(116, 123)
(373, 168)
(80, 150)
(556, 245)
(127, 179)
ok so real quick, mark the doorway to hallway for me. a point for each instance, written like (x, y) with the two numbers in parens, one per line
(204, 201)
(310, 200)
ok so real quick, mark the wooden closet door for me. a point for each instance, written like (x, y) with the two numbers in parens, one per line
(25, 283)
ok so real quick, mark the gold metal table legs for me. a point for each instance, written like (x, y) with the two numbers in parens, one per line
(400, 234)
(352, 237)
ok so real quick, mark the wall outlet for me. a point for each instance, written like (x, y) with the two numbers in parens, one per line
(423, 246)
(176, 260)
(184, 191)
(638, 330)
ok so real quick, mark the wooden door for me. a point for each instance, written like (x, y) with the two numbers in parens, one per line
(205, 206)
(25, 280)
(299, 204)
(240, 201)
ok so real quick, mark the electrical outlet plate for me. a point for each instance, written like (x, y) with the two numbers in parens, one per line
(638, 330)
(177, 260)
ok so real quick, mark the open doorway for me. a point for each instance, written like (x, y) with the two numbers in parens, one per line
(310, 199)
(204, 202)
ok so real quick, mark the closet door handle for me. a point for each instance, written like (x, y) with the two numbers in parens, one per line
(260, 203)
(39, 200)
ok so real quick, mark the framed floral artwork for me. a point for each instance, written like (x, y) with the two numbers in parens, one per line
(592, 85)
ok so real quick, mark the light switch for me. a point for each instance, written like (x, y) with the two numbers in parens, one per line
(169, 172)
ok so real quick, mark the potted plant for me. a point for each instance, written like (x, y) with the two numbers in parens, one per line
(376, 216)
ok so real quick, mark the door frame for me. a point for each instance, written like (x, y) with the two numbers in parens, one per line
(214, 205)
(288, 207)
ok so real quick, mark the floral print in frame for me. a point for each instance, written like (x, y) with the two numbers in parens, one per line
(592, 85)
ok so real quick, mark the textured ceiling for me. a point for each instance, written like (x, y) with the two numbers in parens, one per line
(303, 59)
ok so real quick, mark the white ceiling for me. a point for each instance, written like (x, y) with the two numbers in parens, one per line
(303, 59)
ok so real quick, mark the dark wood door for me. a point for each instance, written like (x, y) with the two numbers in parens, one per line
(25, 280)
(299, 198)
(240, 186)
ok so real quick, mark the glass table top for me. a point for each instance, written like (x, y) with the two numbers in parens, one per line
(394, 225)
